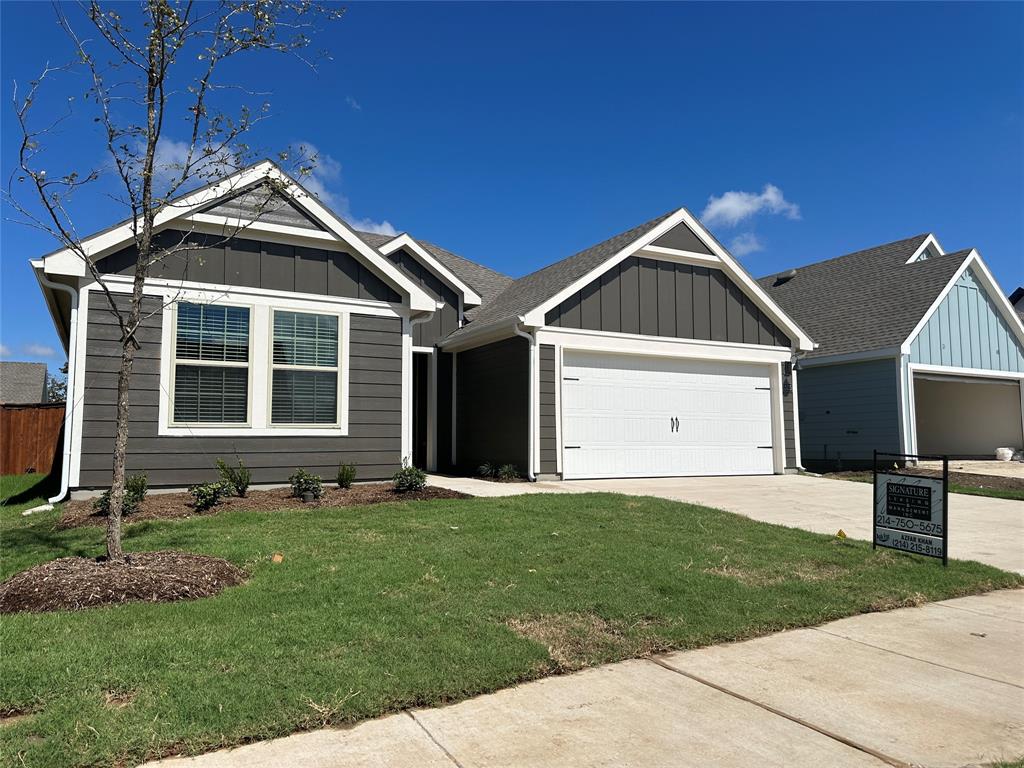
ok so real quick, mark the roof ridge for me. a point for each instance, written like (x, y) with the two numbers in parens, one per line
(878, 247)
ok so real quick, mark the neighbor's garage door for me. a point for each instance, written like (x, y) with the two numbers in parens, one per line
(631, 416)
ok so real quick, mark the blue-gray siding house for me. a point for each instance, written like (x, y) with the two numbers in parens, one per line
(919, 352)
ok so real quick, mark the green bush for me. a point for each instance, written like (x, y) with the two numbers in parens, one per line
(209, 495)
(236, 478)
(135, 489)
(507, 473)
(346, 475)
(409, 478)
(303, 482)
(485, 470)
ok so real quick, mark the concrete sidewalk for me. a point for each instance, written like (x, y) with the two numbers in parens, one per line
(939, 685)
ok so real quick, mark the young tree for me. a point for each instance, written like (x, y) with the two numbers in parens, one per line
(147, 65)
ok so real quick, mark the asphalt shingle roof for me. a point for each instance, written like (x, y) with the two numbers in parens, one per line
(866, 300)
(534, 289)
(22, 382)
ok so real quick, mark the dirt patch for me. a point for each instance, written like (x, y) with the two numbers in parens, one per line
(73, 583)
(577, 640)
(963, 479)
(171, 506)
(118, 699)
(805, 571)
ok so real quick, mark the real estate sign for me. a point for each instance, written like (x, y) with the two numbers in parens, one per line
(910, 513)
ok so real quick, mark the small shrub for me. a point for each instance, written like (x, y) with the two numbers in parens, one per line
(346, 475)
(135, 489)
(409, 478)
(303, 482)
(507, 473)
(209, 495)
(485, 470)
(236, 478)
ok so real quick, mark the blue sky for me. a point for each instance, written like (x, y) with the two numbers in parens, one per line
(518, 134)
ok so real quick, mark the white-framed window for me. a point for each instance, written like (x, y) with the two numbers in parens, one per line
(211, 364)
(305, 381)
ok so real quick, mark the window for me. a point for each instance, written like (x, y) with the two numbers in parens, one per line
(304, 387)
(211, 364)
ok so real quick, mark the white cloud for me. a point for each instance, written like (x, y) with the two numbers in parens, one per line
(744, 244)
(733, 207)
(324, 179)
(39, 350)
(351, 101)
(5, 351)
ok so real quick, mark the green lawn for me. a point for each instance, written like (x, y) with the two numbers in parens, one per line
(968, 487)
(379, 608)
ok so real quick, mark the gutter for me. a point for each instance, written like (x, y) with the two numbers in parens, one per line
(69, 403)
(517, 329)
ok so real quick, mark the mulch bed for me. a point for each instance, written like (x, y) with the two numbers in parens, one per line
(73, 583)
(966, 479)
(169, 506)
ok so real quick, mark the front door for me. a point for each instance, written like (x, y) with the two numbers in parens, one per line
(420, 407)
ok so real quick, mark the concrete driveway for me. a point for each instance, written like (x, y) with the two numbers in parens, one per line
(988, 530)
(938, 685)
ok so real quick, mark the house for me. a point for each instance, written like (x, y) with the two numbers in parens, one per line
(1017, 300)
(22, 383)
(919, 352)
(275, 332)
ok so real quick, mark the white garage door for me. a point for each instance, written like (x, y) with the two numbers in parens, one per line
(632, 416)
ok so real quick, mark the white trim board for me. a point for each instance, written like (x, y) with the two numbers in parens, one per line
(535, 317)
(973, 373)
(929, 240)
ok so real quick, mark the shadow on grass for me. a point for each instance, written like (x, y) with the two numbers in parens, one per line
(44, 487)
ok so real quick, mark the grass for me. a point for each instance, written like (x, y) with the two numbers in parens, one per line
(970, 489)
(379, 608)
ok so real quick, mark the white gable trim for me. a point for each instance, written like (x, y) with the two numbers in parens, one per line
(724, 260)
(469, 296)
(930, 240)
(990, 285)
(67, 262)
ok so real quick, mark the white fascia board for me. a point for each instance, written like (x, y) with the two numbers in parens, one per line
(723, 259)
(930, 240)
(484, 334)
(469, 296)
(657, 346)
(676, 255)
(850, 357)
(991, 286)
(419, 300)
(979, 373)
(67, 262)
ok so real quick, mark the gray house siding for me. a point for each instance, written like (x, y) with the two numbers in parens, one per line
(257, 264)
(661, 298)
(444, 321)
(375, 413)
(788, 420)
(492, 405)
(847, 411)
(548, 384)
(682, 238)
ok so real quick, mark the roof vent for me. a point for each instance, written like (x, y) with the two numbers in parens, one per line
(784, 277)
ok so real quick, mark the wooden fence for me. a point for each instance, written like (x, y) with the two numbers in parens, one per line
(30, 438)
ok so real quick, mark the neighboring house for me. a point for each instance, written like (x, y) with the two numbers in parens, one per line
(1017, 299)
(919, 352)
(22, 383)
(303, 343)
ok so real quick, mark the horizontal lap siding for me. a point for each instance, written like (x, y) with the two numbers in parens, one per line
(847, 411)
(660, 298)
(492, 404)
(375, 417)
(548, 420)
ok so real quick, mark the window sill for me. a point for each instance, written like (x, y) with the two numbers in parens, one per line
(243, 431)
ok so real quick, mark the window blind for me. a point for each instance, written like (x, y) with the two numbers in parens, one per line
(304, 387)
(211, 372)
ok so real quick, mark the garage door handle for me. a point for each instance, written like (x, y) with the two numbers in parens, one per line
(570, 447)
(569, 378)
(764, 446)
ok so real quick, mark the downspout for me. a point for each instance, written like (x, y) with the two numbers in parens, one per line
(69, 399)
(518, 330)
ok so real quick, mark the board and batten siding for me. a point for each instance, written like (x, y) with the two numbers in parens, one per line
(848, 410)
(548, 384)
(492, 405)
(257, 264)
(445, 320)
(662, 298)
(966, 330)
(373, 444)
(789, 420)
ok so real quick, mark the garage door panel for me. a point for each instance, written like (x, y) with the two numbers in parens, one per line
(618, 411)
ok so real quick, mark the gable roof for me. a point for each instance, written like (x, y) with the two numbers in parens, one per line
(866, 300)
(534, 289)
(22, 383)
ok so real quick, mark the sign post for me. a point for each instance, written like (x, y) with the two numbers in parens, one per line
(911, 512)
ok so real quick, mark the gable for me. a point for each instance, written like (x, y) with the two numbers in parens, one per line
(252, 263)
(682, 238)
(445, 320)
(652, 297)
(262, 204)
(966, 330)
